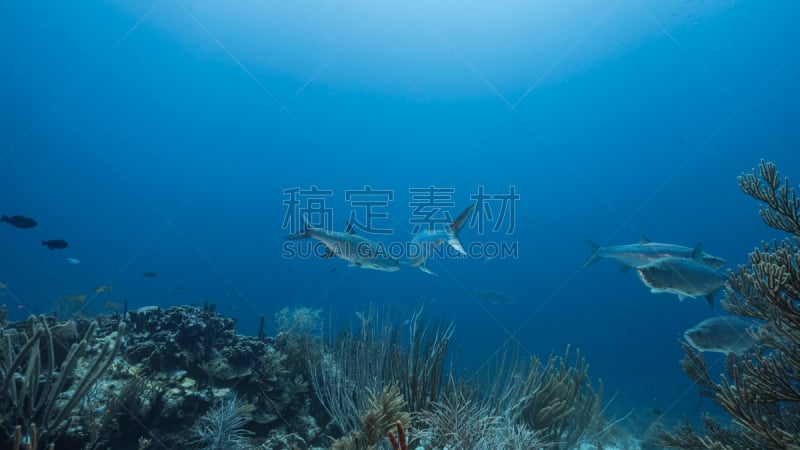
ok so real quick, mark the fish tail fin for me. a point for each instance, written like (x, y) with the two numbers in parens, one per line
(596, 252)
(453, 241)
(455, 227)
(4, 219)
(303, 233)
(711, 295)
(458, 224)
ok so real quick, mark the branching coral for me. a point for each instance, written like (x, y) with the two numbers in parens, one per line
(299, 321)
(373, 359)
(761, 390)
(782, 210)
(559, 400)
(457, 422)
(556, 400)
(423, 368)
(462, 421)
(222, 427)
(530, 405)
(353, 365)
(385, 410)
(32, 386)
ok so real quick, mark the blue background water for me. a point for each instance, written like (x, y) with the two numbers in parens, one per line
(159, 136)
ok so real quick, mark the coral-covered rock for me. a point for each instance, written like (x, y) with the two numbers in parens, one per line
(210, 360)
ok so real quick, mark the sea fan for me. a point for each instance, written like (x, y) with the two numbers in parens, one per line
(222, 427)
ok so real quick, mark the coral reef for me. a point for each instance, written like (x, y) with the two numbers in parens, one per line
(528, 406)
(298, 337)
(184, 378)
(196, 358)
(41, 392)
(152, 374)
(761, 389)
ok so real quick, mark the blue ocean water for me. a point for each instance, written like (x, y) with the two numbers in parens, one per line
(167, 136)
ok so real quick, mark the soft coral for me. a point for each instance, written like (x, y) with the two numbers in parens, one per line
(399, 443)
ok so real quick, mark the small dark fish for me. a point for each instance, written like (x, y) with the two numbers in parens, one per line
(19, 221)
(55, 244)
(149, 274)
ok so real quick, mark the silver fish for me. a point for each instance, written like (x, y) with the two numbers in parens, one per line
(357, 250)
(724, 334)
(425, 242)
(645, 252)
(488, 296)
(685, 277)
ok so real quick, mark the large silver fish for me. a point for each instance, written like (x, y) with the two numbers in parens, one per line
(724, 334)
(645, 252)
(425, 242)
(357, 250)
(684, 277)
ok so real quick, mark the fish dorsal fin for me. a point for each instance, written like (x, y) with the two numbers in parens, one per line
(697, 253)
(458, 224)
(644, 240)
(349, 228)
